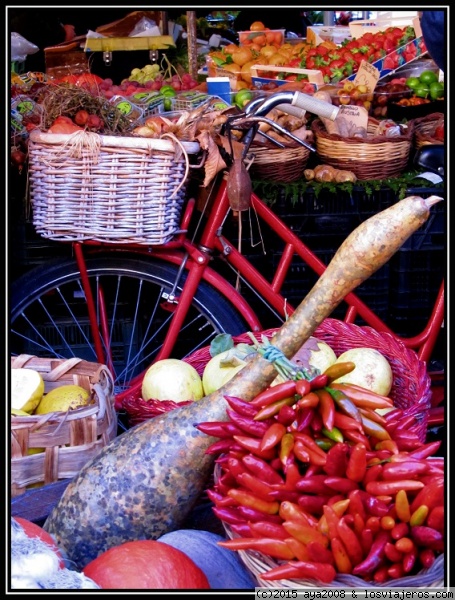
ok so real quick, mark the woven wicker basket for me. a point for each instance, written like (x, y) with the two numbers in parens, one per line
(124, 190)
(69, 439)
(374, 157)
(424, 128)
(278, 164)
(411, 389)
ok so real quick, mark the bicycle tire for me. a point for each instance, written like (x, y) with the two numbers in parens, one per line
(49, 314)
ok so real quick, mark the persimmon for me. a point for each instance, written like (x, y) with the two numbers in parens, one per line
(267, 50)
(242, 55)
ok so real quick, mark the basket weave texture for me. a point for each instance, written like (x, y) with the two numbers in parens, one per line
(423, 129)
(278, 164)
(124, 190)
(374, 157)
(411, 389)
(69, 439)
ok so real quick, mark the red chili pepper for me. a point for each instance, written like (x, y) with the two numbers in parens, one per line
(262, 469)
(402, 507)
(319, 381)
(309, 400)
(242, 529)
(298, 569)
(247, 424)
(393, 415)
(405, 423)
(319, 553)
(251, 514)
(427, 537)
(219, 499)
(331, 521)
(373, 416)
(407, 469)
(381, 575)
(326, 408)
(222, 446)
(404, 545)
(235, 466)
(286, 415)
(340, 555)
(373, 523)
(344, 422)
(389, 445)
(340, 484)
(379, 488)
(305, 418)
(251, 500)
(345, 404)
(376, 507)
(425, 450)
(436, 518)
(300, 550)
(311, 444)
(271, 547)
(219, 429)
(302, 451)
(314, 485)
(395, 571)
(305, 533)
(253, 445)
(334, 434)
(337, 370)
(282, 494)
(242, 407)
(313, 504)
(362, 397)
(302, 387)
(431, 495)
(372, 473)
(407, 440)
(225, 482)
(268, 530)
(255, 485)
(292, 475)
(228, 514)
(273, 393)
(356, 505)
(273, 409)
(392, 553)
(400, 530)
(427, 557)
(351, 542)
(357, 437)
(409, 560)
(375, 556)
(357, 463)
(366, 539)
(272, 436)
(387, 522)
(337, 460)
(290, 511)
(374, 429)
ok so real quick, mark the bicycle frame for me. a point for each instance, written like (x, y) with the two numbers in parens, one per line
(195, 258)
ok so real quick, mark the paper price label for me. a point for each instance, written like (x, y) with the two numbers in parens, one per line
(367, 75)
(352, 118)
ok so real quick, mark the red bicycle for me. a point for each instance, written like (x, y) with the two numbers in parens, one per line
(128, 306)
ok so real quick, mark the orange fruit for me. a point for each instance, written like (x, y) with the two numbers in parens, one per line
(246, 70)
(242, 55)
(267, 51)
(277, 59)
(230, 48)
(260, 40)
(257, 26)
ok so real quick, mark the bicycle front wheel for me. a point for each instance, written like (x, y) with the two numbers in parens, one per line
(49, 315)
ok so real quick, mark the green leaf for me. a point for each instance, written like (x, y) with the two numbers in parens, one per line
(221, 343)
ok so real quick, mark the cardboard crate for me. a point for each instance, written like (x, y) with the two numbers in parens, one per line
(315, 77)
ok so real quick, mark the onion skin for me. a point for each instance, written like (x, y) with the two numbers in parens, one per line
(146, 481)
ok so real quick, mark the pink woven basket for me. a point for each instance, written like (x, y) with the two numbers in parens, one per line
(411, 389)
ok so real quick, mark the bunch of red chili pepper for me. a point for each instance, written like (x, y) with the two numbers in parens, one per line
(311, 475)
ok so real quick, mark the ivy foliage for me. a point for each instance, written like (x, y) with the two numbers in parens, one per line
(269, 191)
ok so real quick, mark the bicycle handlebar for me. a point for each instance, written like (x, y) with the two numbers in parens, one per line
(293, 103)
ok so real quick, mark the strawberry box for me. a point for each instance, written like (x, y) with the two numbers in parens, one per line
(260, 76)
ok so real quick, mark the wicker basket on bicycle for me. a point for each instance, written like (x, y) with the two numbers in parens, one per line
(411, 384)
(123, 190)
(424, 130)
(283, 165)
(49, 447)
(372, 157)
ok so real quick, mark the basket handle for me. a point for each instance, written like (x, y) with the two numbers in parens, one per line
(187, 161)
(61, 369)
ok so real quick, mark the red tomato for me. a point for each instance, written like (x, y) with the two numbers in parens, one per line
(33, 530)
(145, 564)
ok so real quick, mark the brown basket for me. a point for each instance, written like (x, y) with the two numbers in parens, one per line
(123, 190)
(69, 439)
(424, 127)
(411, 388)
(374, 157)
(278, 164)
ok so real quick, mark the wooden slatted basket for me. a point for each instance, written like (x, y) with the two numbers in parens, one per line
(69, 439)
(424, 129)
(373, 157)
(278, 164)
(123, 190)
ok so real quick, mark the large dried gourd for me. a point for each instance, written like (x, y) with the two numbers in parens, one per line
(145, 482)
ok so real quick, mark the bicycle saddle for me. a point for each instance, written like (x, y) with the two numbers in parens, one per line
(432, 158)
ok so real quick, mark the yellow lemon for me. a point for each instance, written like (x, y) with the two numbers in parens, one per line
(63, 398)
(27, 389)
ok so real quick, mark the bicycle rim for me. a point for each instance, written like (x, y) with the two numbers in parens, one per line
(49, 316)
